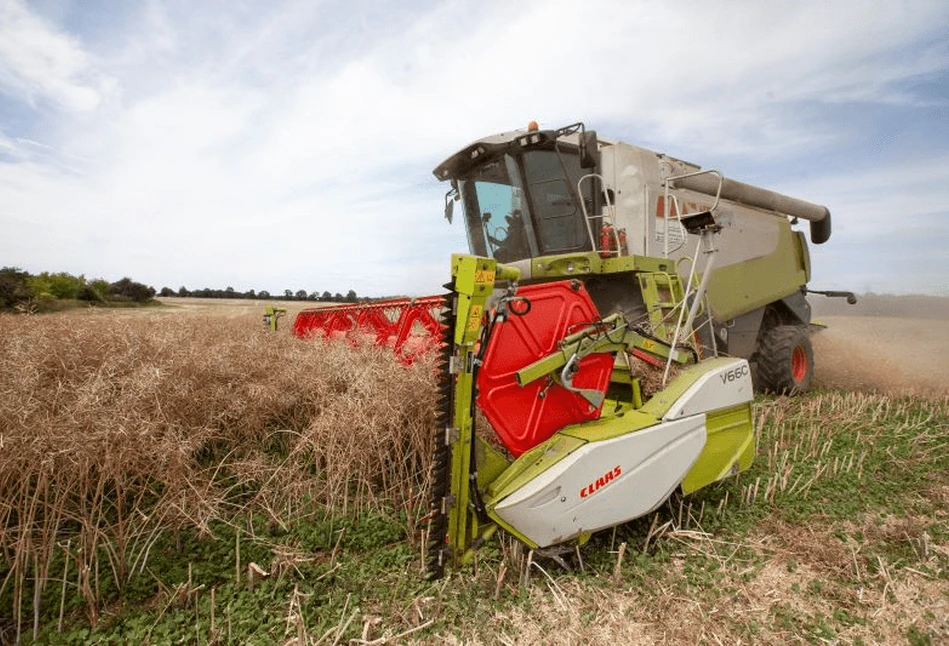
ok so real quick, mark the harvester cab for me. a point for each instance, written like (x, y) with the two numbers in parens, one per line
(565, 203)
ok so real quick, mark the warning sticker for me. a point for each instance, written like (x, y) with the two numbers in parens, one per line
(474, 318)
(484, 276)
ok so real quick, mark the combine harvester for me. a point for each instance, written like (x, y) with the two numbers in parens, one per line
(615, 313)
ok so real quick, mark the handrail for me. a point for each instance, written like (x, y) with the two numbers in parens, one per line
(609, 215)
(665, 199)
(705, 245)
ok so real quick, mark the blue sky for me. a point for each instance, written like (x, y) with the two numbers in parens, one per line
(289, 145)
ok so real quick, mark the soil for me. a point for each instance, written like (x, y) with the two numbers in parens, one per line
(896, 356)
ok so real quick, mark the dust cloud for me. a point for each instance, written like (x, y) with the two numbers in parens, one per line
(896, 356)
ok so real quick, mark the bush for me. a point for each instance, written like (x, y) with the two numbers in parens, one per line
(14, 287)
(45, 302)
(65, 286)
(60, 285)
(95, 291)
(128, 289)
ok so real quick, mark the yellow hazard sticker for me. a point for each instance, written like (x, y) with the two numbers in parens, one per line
(484, 276)
(648, 345)
(474, 318)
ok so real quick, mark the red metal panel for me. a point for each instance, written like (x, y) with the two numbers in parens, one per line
(526, 416)
(409, 326)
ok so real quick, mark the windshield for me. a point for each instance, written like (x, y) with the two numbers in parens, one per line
(522, 206)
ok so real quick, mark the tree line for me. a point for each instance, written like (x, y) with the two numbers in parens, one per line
(287, 295)
(21, 290)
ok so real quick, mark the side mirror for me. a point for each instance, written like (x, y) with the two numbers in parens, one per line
(589, 155)
(450, 198)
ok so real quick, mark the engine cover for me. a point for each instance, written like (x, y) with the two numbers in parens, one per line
(525, 416)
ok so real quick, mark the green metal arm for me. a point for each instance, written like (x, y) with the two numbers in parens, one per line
(473, 283)
(612, 334)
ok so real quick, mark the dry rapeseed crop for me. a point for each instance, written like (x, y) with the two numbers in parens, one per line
(117, 426)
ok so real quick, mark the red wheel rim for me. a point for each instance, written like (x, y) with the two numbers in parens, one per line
(799, 364)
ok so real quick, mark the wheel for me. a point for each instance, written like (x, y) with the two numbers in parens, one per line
(785, 360)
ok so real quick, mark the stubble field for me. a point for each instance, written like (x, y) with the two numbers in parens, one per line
(180, 475)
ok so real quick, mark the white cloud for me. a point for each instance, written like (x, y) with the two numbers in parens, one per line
(890, 227)
(267, 144)
(37, 61)
(868, 203)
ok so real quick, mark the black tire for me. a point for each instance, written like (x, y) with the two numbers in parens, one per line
(785, 360)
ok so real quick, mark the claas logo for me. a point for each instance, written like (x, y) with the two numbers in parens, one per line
(601, 482)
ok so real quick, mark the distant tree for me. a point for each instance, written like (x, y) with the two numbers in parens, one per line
(166, 291)
(301, 294)
(250, 294)
(351, 296)
(263, 294)
(183, 292)
(337, 297)
(326, 297)
(288, 294)
(314, 296)
(88, 294)
(58, 285)
(95, 291)
(65, 286)
(13, 286)
(128, 289)
(230, 293)
(38, 284)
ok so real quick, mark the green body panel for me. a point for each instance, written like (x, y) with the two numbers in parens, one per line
(491, 462)
(803, 253)
(729, 447)
(742, 287)
(619, 264)
(606, 428)
(574, 265)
